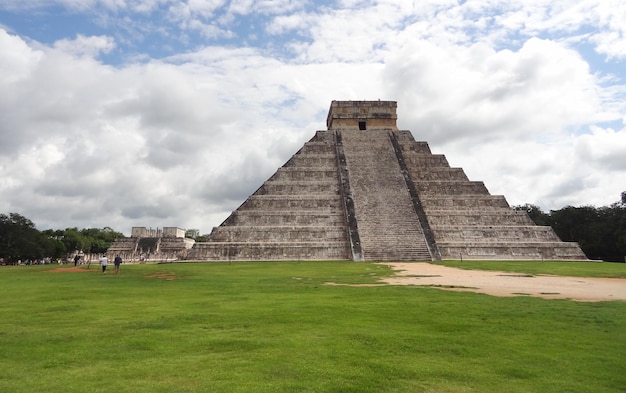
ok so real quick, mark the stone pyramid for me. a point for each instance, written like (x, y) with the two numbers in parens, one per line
(364, 190)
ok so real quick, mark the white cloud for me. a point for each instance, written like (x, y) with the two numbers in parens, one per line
(285, 23)
(246, 7)
(603, 150)
(194, 9)
(499, 87)
(18, 59)
(86, 46)
(241, 7)
(611, 43)
(478, 92)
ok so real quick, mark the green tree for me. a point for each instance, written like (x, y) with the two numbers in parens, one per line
(75, 241)
(536, 214)
(202, 238)
(600, 232)
(100, 239)
(192, 233)
(20, 240)
(56, 248)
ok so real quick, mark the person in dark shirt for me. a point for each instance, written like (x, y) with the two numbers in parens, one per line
(117, 262)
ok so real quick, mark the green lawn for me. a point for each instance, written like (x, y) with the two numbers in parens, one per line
(275, 327)
(574, 269)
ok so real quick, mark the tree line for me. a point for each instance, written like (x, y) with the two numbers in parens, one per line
(600, 231)
(21, 241)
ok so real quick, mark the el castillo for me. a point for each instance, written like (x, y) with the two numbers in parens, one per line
(363, 190)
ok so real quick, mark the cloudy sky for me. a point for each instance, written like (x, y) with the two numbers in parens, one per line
(157, 113)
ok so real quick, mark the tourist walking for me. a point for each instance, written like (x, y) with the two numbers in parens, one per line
(117, 262)
(104, 262)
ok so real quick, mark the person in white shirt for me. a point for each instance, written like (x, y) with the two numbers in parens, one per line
(103, 262)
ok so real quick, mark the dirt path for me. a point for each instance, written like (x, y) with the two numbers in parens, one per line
(68, 269)
(508, 284)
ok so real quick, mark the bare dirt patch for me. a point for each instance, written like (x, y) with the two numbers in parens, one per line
(72, 269)
(336, 284)
(167, 276)
(507, 284)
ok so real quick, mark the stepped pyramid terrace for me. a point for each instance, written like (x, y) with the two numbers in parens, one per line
(364, 190)
(167, 244)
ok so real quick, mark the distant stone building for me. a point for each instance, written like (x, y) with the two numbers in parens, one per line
(165, 232)
(364, 190)
(147, 244)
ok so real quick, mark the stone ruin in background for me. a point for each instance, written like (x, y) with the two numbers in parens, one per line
(167, 244)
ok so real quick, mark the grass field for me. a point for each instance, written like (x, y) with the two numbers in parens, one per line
(275, 327)
(574, 269)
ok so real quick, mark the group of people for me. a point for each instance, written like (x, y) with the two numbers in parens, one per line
(104, 261)
(117, 261)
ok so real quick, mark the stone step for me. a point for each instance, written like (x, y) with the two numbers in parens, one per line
(318, 187)
(269, 251)
(489, 210)
(312, 160)
(431, 202)
(320, 203)
(420, 148)
(324, 136)
(439, 218)
(306, 173)
(439, 174)
(409, 143)
(285, 217)
(490, 249)
(426, 160)
(276, 233)
(317, 148)
(392, 253)
(447, 187)
(500, 232)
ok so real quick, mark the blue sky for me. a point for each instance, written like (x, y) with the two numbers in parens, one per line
(159, 113)
(157, 29)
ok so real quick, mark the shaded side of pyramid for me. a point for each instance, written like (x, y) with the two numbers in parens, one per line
(364, 190)
(297, 214)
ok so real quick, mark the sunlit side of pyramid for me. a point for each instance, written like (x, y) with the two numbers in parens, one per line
(364, 190)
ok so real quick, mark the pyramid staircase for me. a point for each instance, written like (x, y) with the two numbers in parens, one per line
(388, 227)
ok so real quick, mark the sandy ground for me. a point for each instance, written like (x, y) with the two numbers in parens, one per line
(508, 284)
